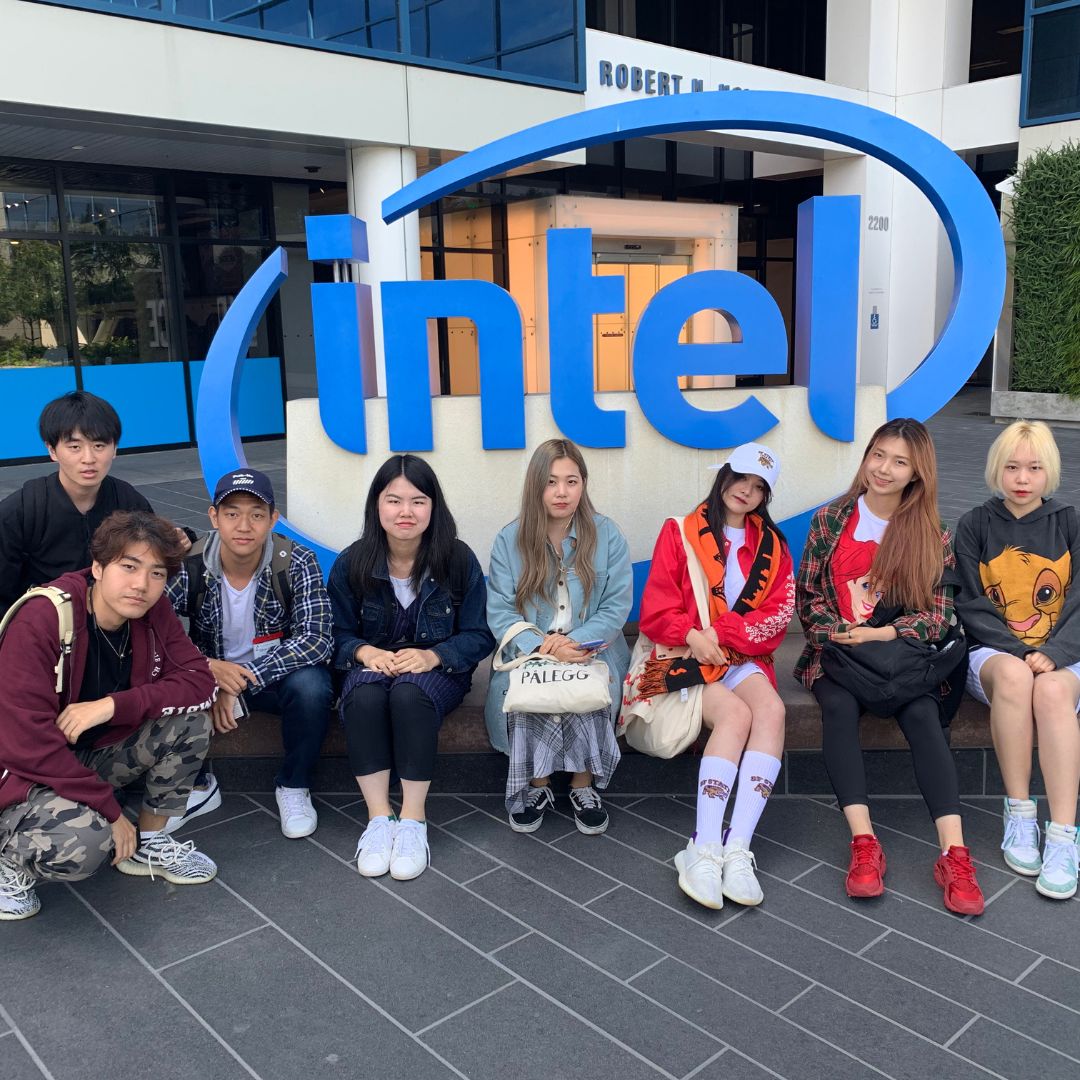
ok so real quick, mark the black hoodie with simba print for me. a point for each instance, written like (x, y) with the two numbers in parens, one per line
(1015, 573)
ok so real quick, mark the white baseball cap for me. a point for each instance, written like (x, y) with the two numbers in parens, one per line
(754, 459)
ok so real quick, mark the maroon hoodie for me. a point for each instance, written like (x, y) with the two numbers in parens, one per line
(168, 675)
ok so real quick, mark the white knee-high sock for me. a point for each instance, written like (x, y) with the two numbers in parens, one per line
(757, 774)
(716, 776)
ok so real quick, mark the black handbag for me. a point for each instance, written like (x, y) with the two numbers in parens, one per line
(885, 675)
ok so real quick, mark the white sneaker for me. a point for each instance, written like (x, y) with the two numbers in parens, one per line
(1020, 847)
(376, 844)
(298, 816)
(740, 883)
(1058, 878)
(18, 898)
(411, 853)
(159, 855)
(701, 873)
(200, 801)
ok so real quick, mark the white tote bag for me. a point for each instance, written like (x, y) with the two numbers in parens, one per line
(665, 724)
(542, 684)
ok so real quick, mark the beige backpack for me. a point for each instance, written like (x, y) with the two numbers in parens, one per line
(62, 602)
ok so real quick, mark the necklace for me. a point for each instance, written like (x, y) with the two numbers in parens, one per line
(125, 639)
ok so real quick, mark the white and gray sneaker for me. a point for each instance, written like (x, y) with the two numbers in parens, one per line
(701, 873)
(740, 882)
(1058, 878)
(375, 846)
(298, 817)
(1020, 846)
(159, 855)
(18, 897)
(201, 801)
(411, 853)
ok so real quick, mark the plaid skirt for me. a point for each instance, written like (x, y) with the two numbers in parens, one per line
(545, 743)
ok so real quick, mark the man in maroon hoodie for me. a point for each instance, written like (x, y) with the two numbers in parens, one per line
(135, 700)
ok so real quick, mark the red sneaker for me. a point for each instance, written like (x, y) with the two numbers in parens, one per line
(955, 873)
(866, 873)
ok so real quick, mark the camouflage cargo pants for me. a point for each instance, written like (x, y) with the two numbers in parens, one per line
(54, 838)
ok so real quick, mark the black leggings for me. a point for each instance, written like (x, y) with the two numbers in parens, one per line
(391, 726)
(920, 722)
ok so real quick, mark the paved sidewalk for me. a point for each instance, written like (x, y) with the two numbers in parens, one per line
(547, 956)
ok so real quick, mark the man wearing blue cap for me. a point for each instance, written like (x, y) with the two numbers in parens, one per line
(259, 610)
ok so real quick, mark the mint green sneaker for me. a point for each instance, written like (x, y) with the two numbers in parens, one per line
(1058, 877)
(1021, 843)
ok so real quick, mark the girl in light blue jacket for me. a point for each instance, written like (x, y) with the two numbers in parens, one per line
(566, 569)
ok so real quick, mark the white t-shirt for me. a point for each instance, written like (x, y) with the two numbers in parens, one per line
(734, 578)
(238, 626)
(403, 590)
(869, 527)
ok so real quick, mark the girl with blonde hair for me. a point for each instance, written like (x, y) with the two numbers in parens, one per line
(885, 536)
(1015, 555)
(566, 569)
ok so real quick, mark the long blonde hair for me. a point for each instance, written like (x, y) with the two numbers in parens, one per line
(538, 561)
(911, 558)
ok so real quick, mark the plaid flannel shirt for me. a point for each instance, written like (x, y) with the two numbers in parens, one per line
(819, 606)
(308, 631)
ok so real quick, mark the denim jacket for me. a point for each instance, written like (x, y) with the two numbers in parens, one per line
(609, 605)
(458, 635)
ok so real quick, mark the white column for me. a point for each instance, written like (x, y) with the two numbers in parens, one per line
(903, 53)
(374, 172)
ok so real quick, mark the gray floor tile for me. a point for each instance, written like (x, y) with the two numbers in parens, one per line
(69, 965)
(1047, 926)
(1056, 981)
(994, 998)
(232, 805)
(414, 970)
(532, 856)
(653, 1032)
(889, 1047)
(731, 1065)
(935, 1017)
(166, 922)
(579, 930)
(756, 976)
(254, 989)
(769, 1039)
(991, 1045)
(15, 1062)
(524, 1036)
(982, 832)
(969, 941)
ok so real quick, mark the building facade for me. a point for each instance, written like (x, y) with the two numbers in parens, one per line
(151, 155)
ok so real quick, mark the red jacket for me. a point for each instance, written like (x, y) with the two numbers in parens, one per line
(168, 675)
(669, 611)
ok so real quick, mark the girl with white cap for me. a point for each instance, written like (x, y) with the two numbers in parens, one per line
(751, 591)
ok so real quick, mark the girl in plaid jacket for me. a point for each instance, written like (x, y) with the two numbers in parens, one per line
(875, 569)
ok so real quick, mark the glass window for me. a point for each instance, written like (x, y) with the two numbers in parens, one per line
(526, 24)
(33, 323)
(555, 59)
(222, 207)
(1054, 74)
(120, 300)
(294, 202)
(27, 199)
(213, 275)
(114, 204)
(458, 30)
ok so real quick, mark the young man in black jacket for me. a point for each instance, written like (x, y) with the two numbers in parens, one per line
(46, 526)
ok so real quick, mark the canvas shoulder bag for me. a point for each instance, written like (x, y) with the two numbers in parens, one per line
(542, 684)
(666, 724)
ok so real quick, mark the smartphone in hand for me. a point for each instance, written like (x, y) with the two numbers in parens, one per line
(592, 646)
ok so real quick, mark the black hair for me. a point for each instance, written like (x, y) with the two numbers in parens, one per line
(123, 528)
(370, 551)
(78, 411)
(714, 502)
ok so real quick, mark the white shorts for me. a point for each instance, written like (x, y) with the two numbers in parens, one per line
(740, 674)
(978, 656)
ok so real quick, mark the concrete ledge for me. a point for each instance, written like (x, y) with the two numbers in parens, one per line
(1058, 408)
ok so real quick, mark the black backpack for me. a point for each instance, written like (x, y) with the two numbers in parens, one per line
(280, 562)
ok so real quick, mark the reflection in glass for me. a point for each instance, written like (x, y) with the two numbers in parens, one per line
(213, 275)
(114, 204)
(27, 201)
(222, 207)
(120, 301)
(33, 329)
